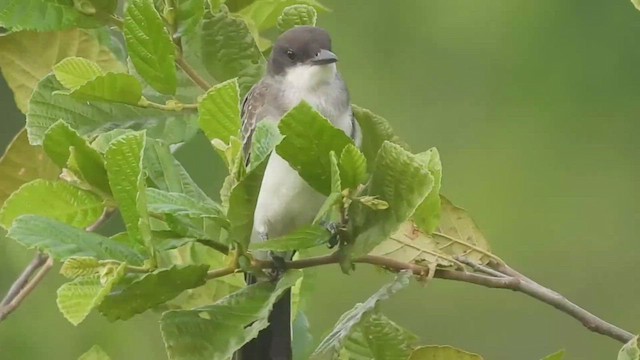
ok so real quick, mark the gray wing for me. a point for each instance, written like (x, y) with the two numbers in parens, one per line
(251, 114)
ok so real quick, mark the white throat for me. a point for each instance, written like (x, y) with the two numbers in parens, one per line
(305, 77)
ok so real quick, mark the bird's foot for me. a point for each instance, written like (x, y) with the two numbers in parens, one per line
(279, 266)
(334, 229)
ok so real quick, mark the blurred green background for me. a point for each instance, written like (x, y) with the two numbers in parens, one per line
(534, 107)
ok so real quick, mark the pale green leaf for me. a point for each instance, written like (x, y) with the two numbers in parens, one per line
(74, 71)
(308, 139)
(63, 241)
(151, 290)
(353, 167)
(124, 167)
(265, 13)
(53, 199)
(78, 266)
(331, 345)
(219, 111)
(95, 353)
(437, 352)
(111, 87)
(242, 204)
(21, 163)
(630, 350)
(304, 238)
(216, 331)
(42, 15)
(400, 179)
(150, 47)
(636, 3)
(559, 355)
(379, 338)
(229, 50)
(427, 215)
(188, 15)
(297, 15)
(264, 140)
(48, 105)
(162, 202)
(68, 149)
(77, 298)
(375, 131)
(24, 63)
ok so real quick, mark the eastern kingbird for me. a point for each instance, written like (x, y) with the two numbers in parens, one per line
(301, 67)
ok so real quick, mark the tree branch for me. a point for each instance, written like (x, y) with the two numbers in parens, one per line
(192, 73)
(33, 274)
(498, 276)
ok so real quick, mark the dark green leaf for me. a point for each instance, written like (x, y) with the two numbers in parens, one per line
(219, 111)
(308, 139)
(216, 331)
(151, 290)
(58, 143)
(22, 163)
(47, 106)
(305, 238)
(150, 47)
(375, 131)
(302, 343)
(56, 200)
(188, 15)
(437, 352)
(124, 167)
(400, 179)
(161, 202)
(353, 167)
(242, 204)
(63, 241)
(427, 215)
(265, 138)
(331, 345)
(229, 50)
(265, 13)
(297, 15)
(111, 87)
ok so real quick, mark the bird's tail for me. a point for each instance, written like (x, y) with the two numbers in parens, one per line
(273, 342)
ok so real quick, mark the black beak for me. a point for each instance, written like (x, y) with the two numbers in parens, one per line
(324, 57)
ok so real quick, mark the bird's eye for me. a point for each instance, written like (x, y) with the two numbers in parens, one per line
(291, 55)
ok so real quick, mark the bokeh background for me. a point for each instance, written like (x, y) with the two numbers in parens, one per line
(534, 107)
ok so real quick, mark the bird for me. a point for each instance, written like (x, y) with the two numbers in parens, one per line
(301, 67)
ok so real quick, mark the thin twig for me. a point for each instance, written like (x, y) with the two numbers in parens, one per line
(508, 278)
(480, 268)
(35, 272)
(192, 73)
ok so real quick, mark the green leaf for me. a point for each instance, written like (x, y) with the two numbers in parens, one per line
(558, 355)
(297, 15)
(124, 167)
(79, 266)
(302, 341)
(188, 16)
(265, 138)
(331, 345)
(437, 352)
(95, 353)
(229, 50)
(636, 3)
(150, 47)
(379, 338)
(242, 204)
(22, 163)
(24, 63)
(375, 131)
(400, 179)
(74, 71)
(61, 142)
(214, 332)
(630, 350)
(63, 241)
(427, 215)
(304, 238)
(265, 13)
(77, 298)
(336, 182)
(162, 202)
(353, 167)
(48, 105)
(219, 111)
(151, 290)
(53, 199)
(308, 139)
(44, 15)
(112, 87)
